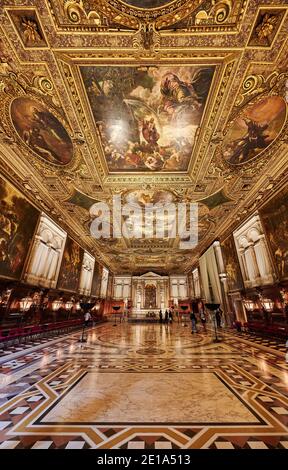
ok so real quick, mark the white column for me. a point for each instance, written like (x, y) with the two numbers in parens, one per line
(51, 277)
(89, 280)
(174, 289)
(162, 295)
(134, 294)
(138, 292)
(42, 263)
(219, 257)
(49, 259)
(242, 261)
(251, 264)
(118, 291)
(263, 259)
(143, 294)
(182, 290)
(35, 256)
(126, 290)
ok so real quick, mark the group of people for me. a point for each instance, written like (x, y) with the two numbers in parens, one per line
(168, 316)
(203, 319)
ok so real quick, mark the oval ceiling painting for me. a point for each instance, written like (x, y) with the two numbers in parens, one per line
(147, 3)
(254, 130)
(142, 197)
(41, 131)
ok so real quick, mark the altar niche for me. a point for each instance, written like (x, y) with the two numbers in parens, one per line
(150, 296)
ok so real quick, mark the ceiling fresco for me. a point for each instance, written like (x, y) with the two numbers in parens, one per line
(147, 117)
(156, 102)
(256, 128)
(41, 131)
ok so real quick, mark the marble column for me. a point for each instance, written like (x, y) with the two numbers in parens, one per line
(223, 280)
(52, 273)
(263, 260)
(49, 258)
(162, 295)
(251, 263)
(143, 294)
(243, 266)
(35, 256)
(46, 248)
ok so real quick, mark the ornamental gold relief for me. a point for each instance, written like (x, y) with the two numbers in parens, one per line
(57, 156)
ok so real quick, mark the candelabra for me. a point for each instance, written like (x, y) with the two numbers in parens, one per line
(115, 308)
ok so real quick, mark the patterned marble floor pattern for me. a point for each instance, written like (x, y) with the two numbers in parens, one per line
(146, 387)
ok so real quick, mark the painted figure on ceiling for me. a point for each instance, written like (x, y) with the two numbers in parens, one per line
(181, 100)
(255, 138)
(147, 117)
(149, 131)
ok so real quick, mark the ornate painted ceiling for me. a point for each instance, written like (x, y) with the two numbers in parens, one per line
(183, 101)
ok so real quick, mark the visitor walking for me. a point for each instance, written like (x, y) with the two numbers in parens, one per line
(193, 322)
(203, 319)
(218, 316)
(170, 316)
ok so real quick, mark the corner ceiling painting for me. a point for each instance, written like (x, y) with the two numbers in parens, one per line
(147, 117)
(255, 129)
(41, 131)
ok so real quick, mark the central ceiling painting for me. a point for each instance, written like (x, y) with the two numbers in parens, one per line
(147, 117)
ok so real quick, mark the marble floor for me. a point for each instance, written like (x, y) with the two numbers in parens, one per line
(145, 386)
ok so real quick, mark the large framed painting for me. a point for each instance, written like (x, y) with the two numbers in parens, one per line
(147, 116)
(274, 217)
(96, 282)
(70, 270)
(18, 220)
(231, 263)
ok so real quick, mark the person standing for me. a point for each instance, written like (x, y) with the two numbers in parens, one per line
(170, 316)
(166, 316)
(203, 319)
(193, 322)
(160, 316)
(87, 318)
(218, 316)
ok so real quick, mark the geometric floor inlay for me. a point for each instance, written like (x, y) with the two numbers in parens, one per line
(145, 387)
(183, 398)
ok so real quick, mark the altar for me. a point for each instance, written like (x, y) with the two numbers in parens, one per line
(150, 293)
